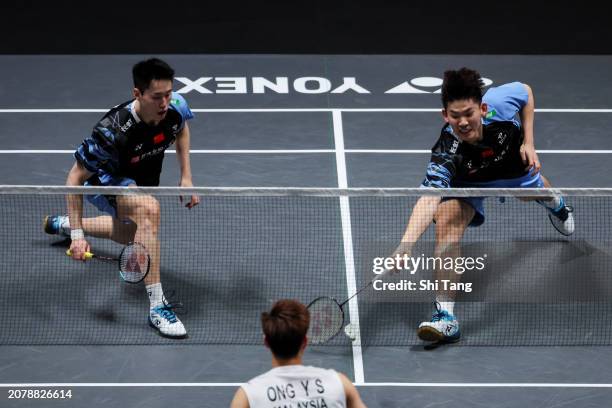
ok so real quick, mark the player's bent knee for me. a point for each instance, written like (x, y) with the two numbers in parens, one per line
(450, 226)
(139, 208)
(151, 208)
(148, 207)
(454, 215)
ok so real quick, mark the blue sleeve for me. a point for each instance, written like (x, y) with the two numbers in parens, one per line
(440, 171)
(179, 104)
(98, 151)
(505, 102)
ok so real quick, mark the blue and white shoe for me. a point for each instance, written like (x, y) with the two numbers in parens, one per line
(443, 327)
(164, 319)
(562, 218)
(57, 225)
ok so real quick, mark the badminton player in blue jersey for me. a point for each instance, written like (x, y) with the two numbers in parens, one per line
(486, 142)
(126, 148)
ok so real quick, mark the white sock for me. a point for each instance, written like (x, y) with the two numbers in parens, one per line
(554, 204)
(156, 294)
(448, 306)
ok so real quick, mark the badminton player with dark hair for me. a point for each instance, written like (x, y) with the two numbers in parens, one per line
(289, 383)
(126, 149)
(487, 141)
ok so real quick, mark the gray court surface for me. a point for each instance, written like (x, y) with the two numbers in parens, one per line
(249, 134)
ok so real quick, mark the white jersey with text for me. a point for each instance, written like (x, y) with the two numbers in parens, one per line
(296, 386)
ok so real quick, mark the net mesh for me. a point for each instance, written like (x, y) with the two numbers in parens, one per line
(231, 257)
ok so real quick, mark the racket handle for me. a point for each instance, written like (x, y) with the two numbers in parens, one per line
(86, 255)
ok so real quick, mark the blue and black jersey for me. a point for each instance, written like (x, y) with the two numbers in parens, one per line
(497, 156)
(122, 149)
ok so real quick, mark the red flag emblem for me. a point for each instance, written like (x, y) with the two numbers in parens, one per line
(157, 139)
(487, 153)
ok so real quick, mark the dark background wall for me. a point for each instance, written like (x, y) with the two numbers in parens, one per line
(314, 26)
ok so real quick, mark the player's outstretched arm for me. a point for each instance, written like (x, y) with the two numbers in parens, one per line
(182, 153)
(353, 399)
(528, 152)
(76, 177)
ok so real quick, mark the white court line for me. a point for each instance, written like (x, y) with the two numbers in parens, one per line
(69, 385)
(347, 236)
(195, 151)
(488, 385)
(363, 384)
(420, 151)
(197, 110)
(303, 151)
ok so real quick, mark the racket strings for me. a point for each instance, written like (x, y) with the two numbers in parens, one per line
(326, 320)
(134, 262)
(134, 259)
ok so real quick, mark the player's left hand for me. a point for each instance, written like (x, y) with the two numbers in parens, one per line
(195, 200)
(530, 158)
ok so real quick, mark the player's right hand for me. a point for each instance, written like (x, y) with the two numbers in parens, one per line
(78, 247)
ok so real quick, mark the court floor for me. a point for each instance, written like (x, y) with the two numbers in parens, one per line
(303, 121)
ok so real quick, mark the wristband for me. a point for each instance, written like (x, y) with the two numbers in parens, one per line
(76, 234)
